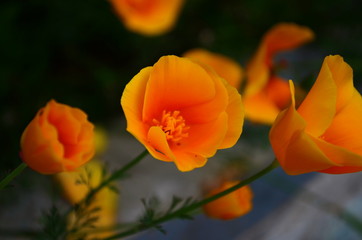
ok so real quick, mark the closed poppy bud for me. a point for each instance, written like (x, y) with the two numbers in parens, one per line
(148, 17)
(324, 133)
(266, 94)
(182, 112)
(225, 67)
(230, 206)
(59, 138)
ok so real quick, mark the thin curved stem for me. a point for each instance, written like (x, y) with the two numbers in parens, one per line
(4, 182)
(194, 206)
(117, 174)
(82, 205)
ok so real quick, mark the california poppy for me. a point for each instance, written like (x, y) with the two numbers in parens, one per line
(230, 206)
(148, 17)
(59, 138)
(324, 133)
(266, 94)
(182, 112)
(224, 66)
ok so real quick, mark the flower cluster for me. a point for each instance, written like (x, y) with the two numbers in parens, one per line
(184, 110)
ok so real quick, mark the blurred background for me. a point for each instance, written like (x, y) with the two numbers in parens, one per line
(79, 53)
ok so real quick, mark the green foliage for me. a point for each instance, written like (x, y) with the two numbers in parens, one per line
(153, 211)
(54, 223)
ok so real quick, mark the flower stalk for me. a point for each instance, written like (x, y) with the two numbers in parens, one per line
(194, 206)
(4, 182)
(117, 174)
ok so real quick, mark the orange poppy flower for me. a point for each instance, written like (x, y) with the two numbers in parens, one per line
(59, 138)
(324, 134)
(230, 206)
(148, 17)
(225, 67)
(75, 190)
(265, 93)
(182, 112)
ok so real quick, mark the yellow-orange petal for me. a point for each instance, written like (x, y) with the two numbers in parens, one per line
(132, 102)
(233, 205)
(38, 161)
(342, 75)
(235, 112)
(277, 90)
(158, 146)
(67, 124)
(175, 84)
(303, 155)
(225, 67)
(322, 98)
(264, 106)
(339, 155)
(206, 138)
(257, 72)
(286, 36)
(209, 110)
(287, 123)
(43, 153)
(234, 109)
(281, 37)
(148, 17)
(101, 139)
(259, 108)
(72, 191)
(187, 161)
(293, 148)
(346, 128)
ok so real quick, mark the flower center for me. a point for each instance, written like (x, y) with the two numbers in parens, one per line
(173, 125)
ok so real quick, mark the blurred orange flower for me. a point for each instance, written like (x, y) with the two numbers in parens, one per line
(324, 134)
(76, 185)
(148, 17)
(233, 205)
(182, 112)
(225, 67)
(101, 140)
(59, 138)
(265, 93)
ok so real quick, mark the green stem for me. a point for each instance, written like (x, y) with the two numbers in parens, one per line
(115, 175)
(352, 221)
(83, 204)
(187, 209)
(12, 175)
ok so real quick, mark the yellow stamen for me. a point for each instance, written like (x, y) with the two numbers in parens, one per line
(173, 124)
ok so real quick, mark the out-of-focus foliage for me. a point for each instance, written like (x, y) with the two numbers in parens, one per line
(79, 53)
